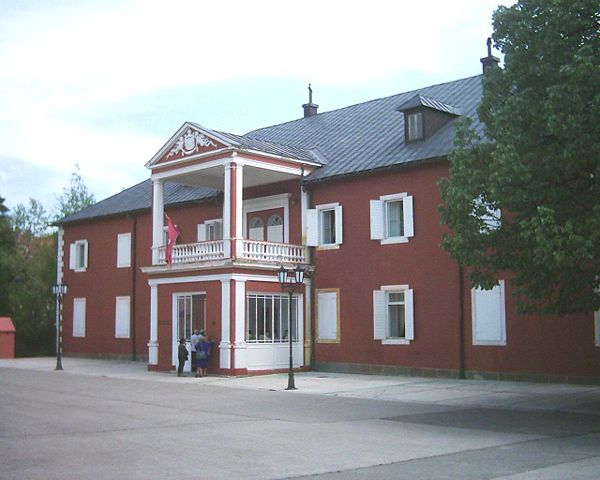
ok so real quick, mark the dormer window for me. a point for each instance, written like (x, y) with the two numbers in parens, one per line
(415, 126)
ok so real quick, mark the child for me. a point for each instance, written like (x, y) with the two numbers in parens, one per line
(182, 356)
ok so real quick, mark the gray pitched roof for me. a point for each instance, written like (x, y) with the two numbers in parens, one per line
(370, 135)
(362, 137)
(139, 198)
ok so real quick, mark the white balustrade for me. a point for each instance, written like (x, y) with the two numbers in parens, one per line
(252, 251)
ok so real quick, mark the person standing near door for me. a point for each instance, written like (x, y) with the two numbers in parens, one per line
(194, 339)
(203, 351)
(182, 356)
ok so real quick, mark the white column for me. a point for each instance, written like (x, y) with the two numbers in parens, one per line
(239, 188)
(227, 211)
(158, 213)
(240, 324)
(153, 343)
(225, 345)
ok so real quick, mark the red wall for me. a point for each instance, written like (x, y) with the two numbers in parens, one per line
(362, 265)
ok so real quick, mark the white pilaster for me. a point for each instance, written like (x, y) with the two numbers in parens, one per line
(153, 343)
(225, 345)
(158, 213)
(304, 208)
(240, 324)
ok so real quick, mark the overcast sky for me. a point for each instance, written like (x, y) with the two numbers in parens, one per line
(104, 84)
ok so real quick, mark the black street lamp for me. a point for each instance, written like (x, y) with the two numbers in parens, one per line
(290, 284)
(59, 290)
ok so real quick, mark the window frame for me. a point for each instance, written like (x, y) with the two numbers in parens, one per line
(476, 339)
(79, 320)
(74, 255)
(272, 298)
(380, 218)
(415, 129)
(381, 320)
(122, 320)
(315, 226)
(124, 250)
(206, 230)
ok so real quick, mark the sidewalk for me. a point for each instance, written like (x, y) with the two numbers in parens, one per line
(447, 392)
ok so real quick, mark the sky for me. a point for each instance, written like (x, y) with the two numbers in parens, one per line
(101, 85)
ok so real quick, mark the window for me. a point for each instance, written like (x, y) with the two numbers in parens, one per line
(328, 316)
(79, 317)
(393, 316)
(324, 226)
(78, 256)
(488, 315)
(123, 250)
(415, 126)
(210, 230)
(257, 231)
(275, 229)
(268, 318)
(392, 218)
(122, 316)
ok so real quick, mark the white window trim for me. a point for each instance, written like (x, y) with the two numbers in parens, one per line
(80, 324)
(379, 223)
(272, 202)
(475, 339)
(124, 251)
(314, 221)
(119, 320)
(73, 256)
(382, 316)
(202, 229)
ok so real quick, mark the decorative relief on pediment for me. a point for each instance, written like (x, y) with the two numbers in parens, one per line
(190, 142)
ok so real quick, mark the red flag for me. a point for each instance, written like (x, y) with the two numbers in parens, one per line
(172, 234)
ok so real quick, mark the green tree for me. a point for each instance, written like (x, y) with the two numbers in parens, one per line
(75, 197)
(538, 161)
(7, 248)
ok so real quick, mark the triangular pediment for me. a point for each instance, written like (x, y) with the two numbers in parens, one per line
(191, 139)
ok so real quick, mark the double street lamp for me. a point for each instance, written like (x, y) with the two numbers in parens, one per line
(59, 291)
(290, 283)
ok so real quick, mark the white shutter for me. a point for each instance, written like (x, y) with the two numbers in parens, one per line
(488, 316)
(312, 227)
(85, 253)
(122, 316)
(407, 204)
(409, 315)
(338, 225)
(379, 314)
(73, 256)
(376, 219)
(202, 232)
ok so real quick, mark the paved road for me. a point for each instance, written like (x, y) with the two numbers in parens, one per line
(135, 425)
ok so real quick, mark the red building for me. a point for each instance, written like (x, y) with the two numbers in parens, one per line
(351, 195)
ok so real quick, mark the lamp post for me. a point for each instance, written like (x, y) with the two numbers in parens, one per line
(290, 283)
(59, 291)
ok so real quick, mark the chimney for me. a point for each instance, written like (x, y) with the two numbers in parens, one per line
(310, 108)
(490, 61)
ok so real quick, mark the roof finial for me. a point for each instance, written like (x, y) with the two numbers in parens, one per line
(310, 108)
(489, 45)
(309, 94)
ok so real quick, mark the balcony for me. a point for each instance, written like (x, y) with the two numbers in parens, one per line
(252, 252)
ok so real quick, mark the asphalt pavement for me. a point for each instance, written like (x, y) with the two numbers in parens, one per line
(104, 419)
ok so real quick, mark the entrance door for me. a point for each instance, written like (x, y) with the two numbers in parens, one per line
(189, 315)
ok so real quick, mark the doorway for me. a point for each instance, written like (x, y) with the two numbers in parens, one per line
(189, 315)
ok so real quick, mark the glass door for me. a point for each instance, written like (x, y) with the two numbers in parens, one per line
(190, 315)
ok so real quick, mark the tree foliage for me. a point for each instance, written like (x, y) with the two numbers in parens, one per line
(28, 266)
(539, 161)
(75, 197)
